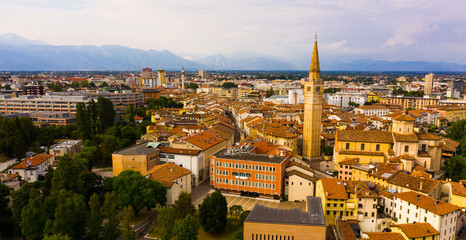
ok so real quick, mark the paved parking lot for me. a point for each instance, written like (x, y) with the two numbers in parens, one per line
(248, 203)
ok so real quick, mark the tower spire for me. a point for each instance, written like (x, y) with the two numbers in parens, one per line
(315, 66)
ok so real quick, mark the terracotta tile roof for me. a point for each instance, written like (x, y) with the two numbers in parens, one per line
(204, 140)
(33, 161)
(346, 230)
(372, 107)
(420, 174)
(430, 204)
(423, 154)
(458, 189)
(350, 161)
(365, 153)
(418, 167)
(303, 175)
(386, 194)
(384, 172)
(417, 230)
(179, 151)
(406, 156)
(405, 137)
(334, 188)
(167, 173)
(385, 236)
(364, 136)
(427, 136)
(414, 183)
(404, 117)
(449, 144)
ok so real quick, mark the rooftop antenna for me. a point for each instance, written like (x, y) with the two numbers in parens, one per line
(316, 36)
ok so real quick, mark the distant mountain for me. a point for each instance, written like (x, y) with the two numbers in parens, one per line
(220, 62)
(393, 66)
(13, 39)
(21, 54)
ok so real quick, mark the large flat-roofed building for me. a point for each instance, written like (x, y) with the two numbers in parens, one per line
(141, 157)
(409, 102)
(294, 224)
(69, 147)
(65, 101)
(241, 170)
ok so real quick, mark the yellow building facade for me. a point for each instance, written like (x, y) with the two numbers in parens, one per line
(336, 201)
(141, 158)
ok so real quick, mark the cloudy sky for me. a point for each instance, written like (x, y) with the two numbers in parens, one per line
(429, 30)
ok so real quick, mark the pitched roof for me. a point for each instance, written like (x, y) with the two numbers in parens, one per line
(350, 161)
(167, 173)
(364, 136)
(458, 189)
(385, 236)
(179, 151)
(430, 204)
(302, 175)
(334, 188)
(33, 161)
(418, 230)
(414, 183)
(427, 136)
(204, 140)
(405, 137)
(404, 117)
(138, 149)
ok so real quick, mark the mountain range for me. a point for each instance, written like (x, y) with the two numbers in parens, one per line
(21, 54)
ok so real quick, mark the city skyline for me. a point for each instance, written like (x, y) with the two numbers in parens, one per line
(386, 30)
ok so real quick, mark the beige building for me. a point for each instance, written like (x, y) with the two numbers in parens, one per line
(270, 223)
(300, 183)
(177, 179)
(313, 95)
(69, 147)
(428, 83)
(141, 157)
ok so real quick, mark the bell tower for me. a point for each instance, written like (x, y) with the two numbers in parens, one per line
(313, 93)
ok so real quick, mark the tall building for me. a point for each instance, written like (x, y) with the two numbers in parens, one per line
(182, 78)
(161, 78)
(313, 92)
(202, 74)
(428, 83)
(148, 78)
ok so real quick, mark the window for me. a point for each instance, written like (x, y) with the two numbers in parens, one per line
(163, 155)
(406, 148)
(362, 146)
(347, 146)
(377, 147)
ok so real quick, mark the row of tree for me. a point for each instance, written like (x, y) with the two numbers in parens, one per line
(94, 117)
(456, 166)
(72, 201)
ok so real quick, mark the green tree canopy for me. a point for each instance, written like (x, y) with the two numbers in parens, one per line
(165, 222)
(213, 212)
(94, 221)
(57, 237)
(193, 85)
(70, 217)
(183, 205)
(229, 85)
(33, 219)
(186, 229)
(127, 229)
(235, 211)
(110, 213)
(68, 175)
(133, 189)
(7, 222)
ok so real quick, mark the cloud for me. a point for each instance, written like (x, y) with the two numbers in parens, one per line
(408, 34)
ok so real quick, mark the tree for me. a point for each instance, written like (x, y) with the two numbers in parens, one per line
(229, 85)
(21, 198)
(68, 175)
(186, 229)
(127, 229)
(183, 205)
(270, 92)
(70, 217)
(110, 212)
(235, 211)
(133, 189)
(244, 215)
(193, 85)
(33, 219)
(353, 104)
(238, 235)
(94, 221)
(456, 168)
(7, 222)
(106, 114)
(213, 212)
(165, 222)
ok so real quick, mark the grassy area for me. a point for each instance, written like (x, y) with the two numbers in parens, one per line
(143, 214)
(230, 229)
(106, 170)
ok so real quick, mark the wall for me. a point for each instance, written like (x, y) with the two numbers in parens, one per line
(296, 232)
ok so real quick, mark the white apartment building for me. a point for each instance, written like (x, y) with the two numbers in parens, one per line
(342, 99)
(372, 110)
(410, 207)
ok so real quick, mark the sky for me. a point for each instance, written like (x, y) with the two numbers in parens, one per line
(424, 30)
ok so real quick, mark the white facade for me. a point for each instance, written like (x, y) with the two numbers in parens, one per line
(406, 212)
(342, 99)
(182, 184)
(193, 163)
(31, 174)
(371, 110)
